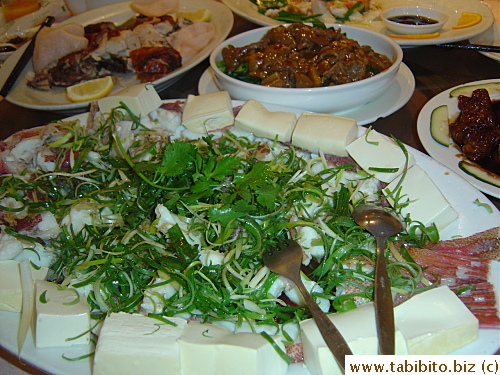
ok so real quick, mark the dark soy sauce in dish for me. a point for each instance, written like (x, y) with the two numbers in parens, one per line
(7, 49)
(408, 19)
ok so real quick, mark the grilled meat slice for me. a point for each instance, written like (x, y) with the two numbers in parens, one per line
(152, 63)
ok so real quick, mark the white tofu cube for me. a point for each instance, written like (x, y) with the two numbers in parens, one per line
(249, 354)
(198, 348)
(254, 118)
(214, 350)
(329, 134)
(11, 293)
(141, 99)
(426, 202)
(376, 151)
(436, 322)
(59, 321)
(359, 330)
(131, 344)
(208, 112)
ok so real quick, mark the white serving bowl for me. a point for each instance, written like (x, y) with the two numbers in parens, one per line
(402, 28)
(330, 99)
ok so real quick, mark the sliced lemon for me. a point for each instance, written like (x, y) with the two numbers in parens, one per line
(90, 90)
(468, 19)
(415, 36)
(198, 15)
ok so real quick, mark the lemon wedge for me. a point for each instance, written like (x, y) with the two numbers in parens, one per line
(90, 90)
(198, 15)
(415, 36)
(468, 19)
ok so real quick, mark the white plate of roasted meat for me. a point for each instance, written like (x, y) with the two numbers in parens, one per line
(481, 171)
(54, 99)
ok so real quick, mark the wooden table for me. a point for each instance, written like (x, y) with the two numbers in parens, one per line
(435, 69)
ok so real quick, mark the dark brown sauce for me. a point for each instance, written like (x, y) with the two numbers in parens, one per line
(7, 49)
(17, 41)
(492, 164)
(408, 19)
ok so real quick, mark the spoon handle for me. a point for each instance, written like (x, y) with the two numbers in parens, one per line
(384, 307)
(333, 338)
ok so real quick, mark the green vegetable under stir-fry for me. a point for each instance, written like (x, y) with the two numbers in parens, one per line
(306, 11)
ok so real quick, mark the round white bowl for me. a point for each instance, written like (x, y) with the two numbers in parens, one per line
(330, 99)
(402, 28)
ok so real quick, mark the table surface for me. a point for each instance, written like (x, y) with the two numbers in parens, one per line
(435, 69)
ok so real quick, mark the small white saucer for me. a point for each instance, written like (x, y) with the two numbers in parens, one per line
(396, 96)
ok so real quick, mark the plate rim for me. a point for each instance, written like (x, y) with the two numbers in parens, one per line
(495, 29)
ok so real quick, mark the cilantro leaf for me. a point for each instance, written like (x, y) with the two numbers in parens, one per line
(257, 176)
(225, 166)
(267, 195)
(228, 213)
(178, 156)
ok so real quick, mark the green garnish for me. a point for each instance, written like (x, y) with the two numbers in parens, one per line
(383, 170)
(75, 292)
(43, 297)
(357, 7)
(375, 143)
(486, 206)
(289, 17)
(276, 347)
(156, 203)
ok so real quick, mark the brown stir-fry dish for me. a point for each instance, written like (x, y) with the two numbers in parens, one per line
(477, 130)
(300, 55)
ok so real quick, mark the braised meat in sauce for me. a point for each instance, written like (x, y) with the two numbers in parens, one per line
(303, 56)
(477, 129)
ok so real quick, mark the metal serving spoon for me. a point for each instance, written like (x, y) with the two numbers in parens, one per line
(286, 261)
(382, 224)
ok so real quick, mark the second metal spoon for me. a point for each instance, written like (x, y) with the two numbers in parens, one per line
(286, 261)
(382, 224)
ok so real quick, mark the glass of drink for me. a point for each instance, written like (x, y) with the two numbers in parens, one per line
(13, 9)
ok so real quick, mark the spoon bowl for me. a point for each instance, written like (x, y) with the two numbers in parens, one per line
(382, 224)
(377, 220)
(286, 261)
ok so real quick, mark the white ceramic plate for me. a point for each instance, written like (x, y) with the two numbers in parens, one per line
(396, 96)
(449, 156)
(55, 99)
(248, 10)
(489, 37)
(5, 40)
(461, 195)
